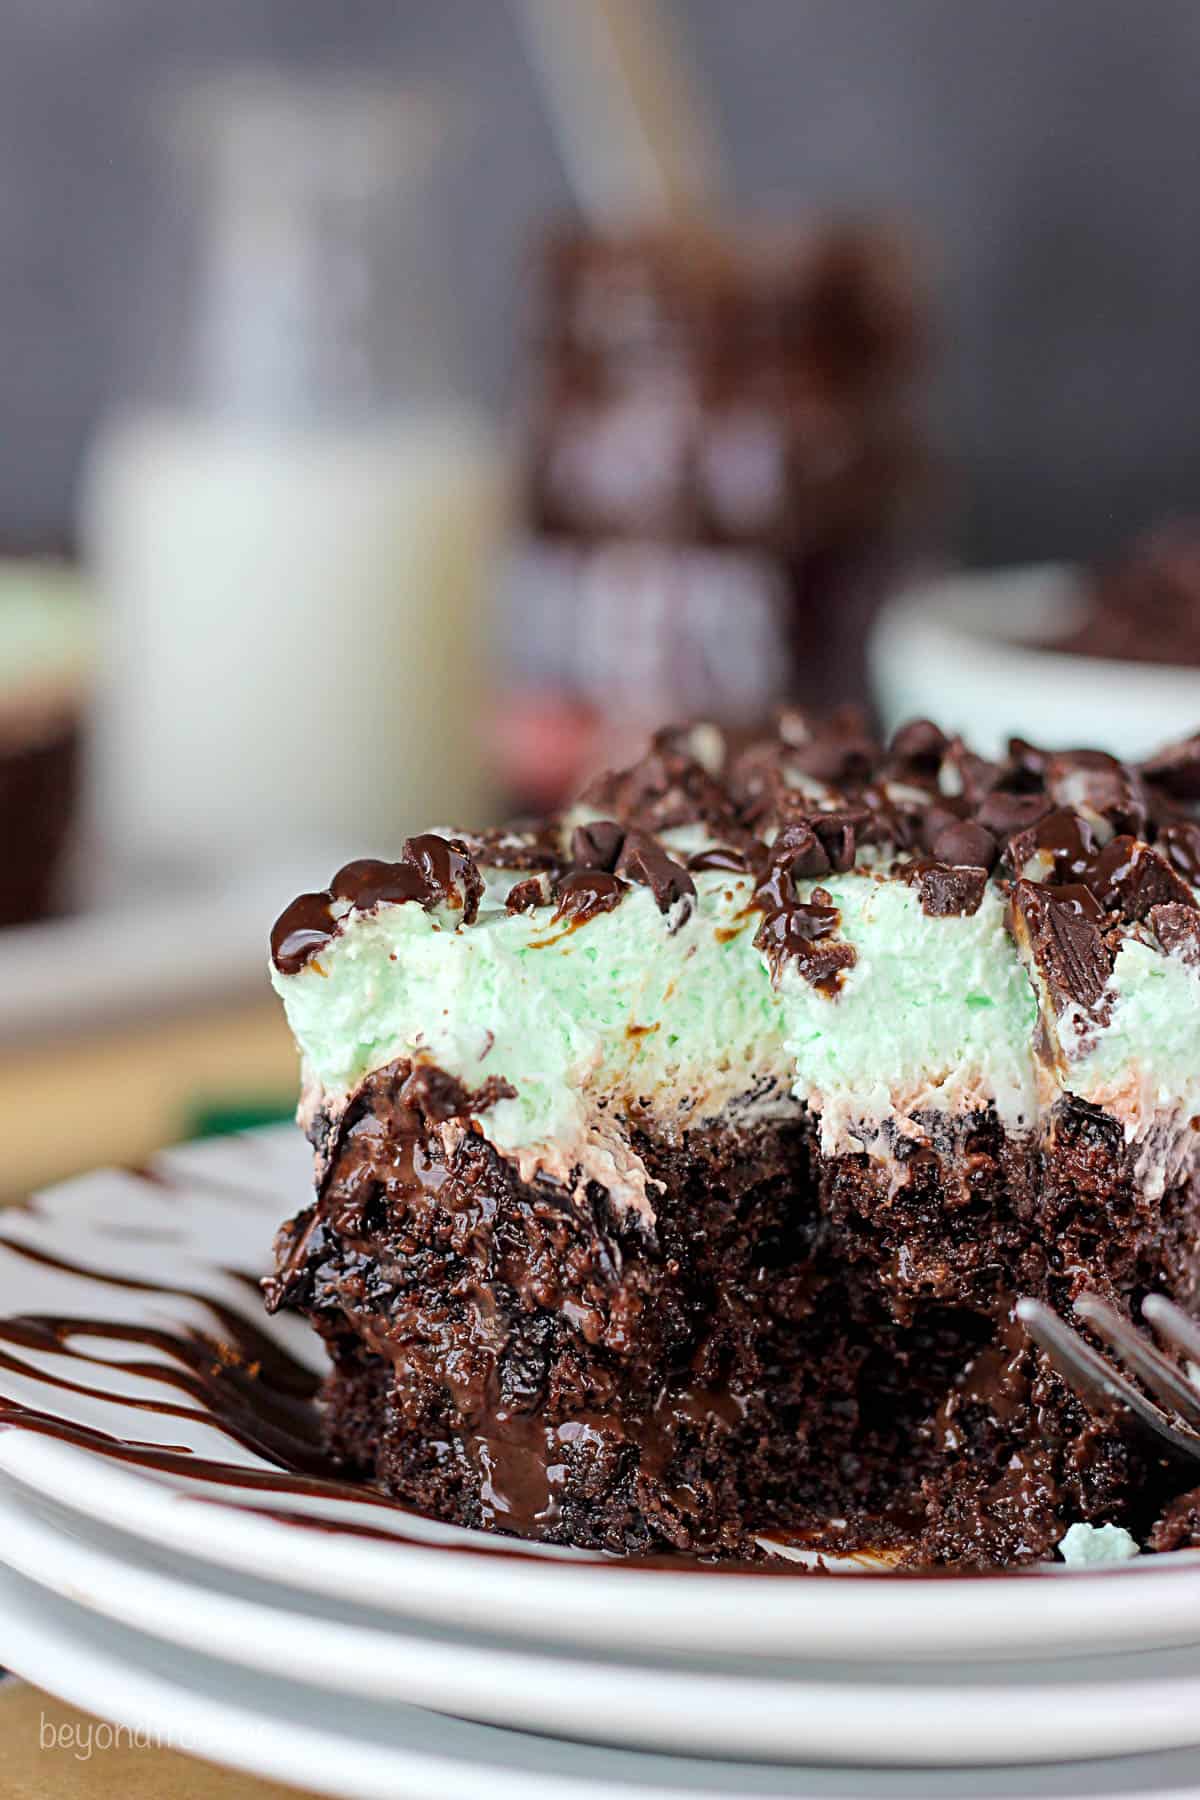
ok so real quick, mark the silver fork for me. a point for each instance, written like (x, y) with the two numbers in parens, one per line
(1175, 1431)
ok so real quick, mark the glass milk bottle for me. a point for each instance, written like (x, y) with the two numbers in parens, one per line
(291, 516)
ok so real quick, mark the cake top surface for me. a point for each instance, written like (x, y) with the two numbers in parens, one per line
(1104, 843)
(877, 931)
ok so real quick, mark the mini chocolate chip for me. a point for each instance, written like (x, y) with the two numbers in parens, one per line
(966, 845)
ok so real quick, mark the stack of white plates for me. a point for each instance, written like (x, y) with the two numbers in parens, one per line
(159, 1571)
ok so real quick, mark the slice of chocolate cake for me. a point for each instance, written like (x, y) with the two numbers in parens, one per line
(679, 1159)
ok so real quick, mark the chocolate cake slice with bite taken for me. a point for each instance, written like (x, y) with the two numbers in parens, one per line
(679, 1159)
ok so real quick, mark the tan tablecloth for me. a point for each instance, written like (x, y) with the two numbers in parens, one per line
(51, 1752)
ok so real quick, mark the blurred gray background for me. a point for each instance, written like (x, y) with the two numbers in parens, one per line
(1044, 151)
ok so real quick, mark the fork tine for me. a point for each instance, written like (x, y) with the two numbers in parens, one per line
(1173, 1325)
(1095, 1378)
(1163, 1379)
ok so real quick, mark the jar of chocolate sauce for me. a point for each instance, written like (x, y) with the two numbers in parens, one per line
(722, 470)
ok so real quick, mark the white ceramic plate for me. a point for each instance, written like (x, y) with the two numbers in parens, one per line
(924, 1714)
(962, 649)
(146, 1262)
(347, 1746)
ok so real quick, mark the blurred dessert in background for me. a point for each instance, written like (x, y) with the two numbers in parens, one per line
(722, 468)
(45, 677)
(1145, 606)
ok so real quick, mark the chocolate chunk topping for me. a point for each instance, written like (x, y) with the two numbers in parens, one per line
(946, 891)
(838, 834)
(1060, 847)
(301, 931)
(1064, 942)
(966, 845)
(433, 871)
(793, 930)
(597, 846)
(1094, 783)
(586, 892)
(535, 890)
(1006, 814)
(1176, 769)
(920, 743)
(522, 844)
(1180, 843)
(837, 760)
(670, 786)
(644, 861)
(1177, 929)
(1129, 878)
(962, 772)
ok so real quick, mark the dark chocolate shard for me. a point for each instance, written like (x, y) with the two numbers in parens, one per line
(598, 845)
(1129, 878)
(1177, 929)
(962, 772)
(1060, 847)
(837, 761)
(1055, 933)
(644, 861)
(522, 844)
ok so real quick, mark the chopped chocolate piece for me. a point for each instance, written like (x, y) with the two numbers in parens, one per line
(1004, 815)
(947, 891)
(665, 789)
(1128, 877)
(523, 844)
(1180, 843)
(1179, 1526)
(1099, 785)
(1064, 943)
(1060, 847)
(449, 871)
(1177, 928)
(1177, 769)
(535, 890)
(597, 846)
(586, 892)
(645, 862)
(793, 930)
(920, 743)
(837, 832)
(837, 760)
(965, 844)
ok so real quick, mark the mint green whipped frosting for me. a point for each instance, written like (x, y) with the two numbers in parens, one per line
(633, 1012)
